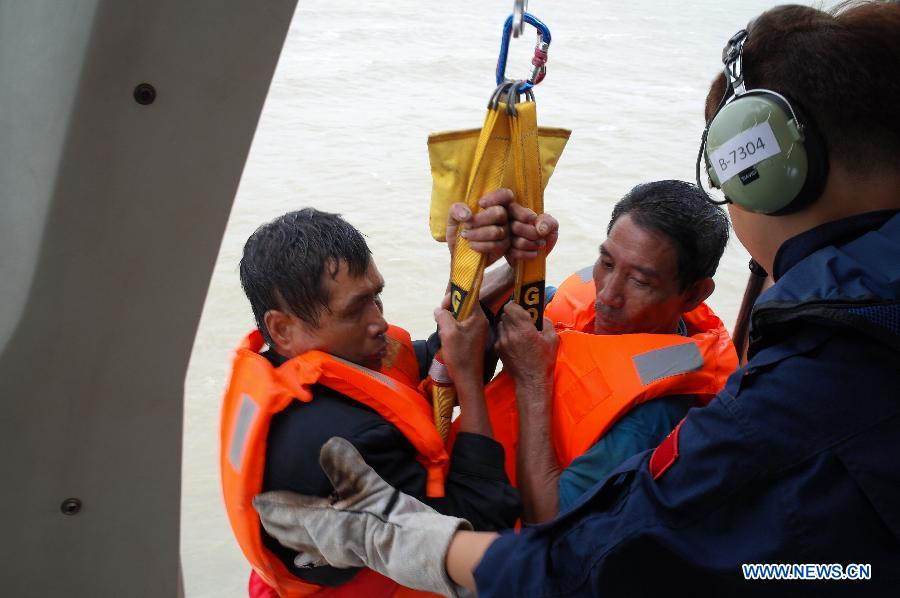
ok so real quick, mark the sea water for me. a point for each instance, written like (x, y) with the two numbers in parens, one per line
(358, 88)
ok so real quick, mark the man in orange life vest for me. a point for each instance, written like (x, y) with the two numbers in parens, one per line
(633, 327)
(325, 363)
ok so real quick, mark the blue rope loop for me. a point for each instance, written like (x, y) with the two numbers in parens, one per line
(504, 47)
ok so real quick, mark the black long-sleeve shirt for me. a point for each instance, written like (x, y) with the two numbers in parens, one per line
(476, 487)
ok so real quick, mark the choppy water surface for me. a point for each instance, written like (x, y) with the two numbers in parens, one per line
(360, 86)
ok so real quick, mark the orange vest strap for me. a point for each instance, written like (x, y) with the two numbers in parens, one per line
(391, 397)
(567, 308)
(257, 391)
(599, 378)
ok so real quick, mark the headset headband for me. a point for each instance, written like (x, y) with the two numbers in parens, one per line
(732, 58)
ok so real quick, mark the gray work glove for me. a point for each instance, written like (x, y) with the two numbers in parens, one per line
(367, 524)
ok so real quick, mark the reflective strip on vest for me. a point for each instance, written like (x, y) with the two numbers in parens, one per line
(377, 375)
(668, 361)
(246, 415)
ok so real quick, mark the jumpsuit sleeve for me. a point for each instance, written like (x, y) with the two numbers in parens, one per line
(776, 469)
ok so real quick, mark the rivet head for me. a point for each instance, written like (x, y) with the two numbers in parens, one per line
(70, 506)
(144, 94)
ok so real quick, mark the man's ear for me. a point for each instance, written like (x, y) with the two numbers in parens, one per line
(281, 330)
(696, 293)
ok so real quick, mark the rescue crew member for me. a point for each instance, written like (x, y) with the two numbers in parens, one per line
(794, 462)
(324, 363)
(638, 348)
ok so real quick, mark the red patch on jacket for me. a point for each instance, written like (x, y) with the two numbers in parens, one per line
(665, 454)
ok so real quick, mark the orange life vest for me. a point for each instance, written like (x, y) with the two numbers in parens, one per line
(257, 391)
(599, 378)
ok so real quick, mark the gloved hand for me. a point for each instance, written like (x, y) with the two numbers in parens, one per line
(368, 524)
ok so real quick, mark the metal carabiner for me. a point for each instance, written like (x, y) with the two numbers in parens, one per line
(540, 51)
(520, 7)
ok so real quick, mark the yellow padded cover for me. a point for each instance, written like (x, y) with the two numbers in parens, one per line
(451, 155)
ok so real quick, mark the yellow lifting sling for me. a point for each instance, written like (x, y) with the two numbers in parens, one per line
(509, 151)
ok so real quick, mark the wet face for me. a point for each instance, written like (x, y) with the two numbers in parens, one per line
(636, 281)
(352, 326)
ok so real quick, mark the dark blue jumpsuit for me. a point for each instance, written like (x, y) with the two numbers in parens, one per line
(796, 461)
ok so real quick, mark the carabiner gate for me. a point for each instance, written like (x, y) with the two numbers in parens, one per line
(540, 51)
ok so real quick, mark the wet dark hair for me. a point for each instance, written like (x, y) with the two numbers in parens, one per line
(840, 67)
(285, 260)
(682, 212)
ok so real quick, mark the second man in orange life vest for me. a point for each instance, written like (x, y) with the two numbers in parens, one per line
(324, 363)
(630, 329)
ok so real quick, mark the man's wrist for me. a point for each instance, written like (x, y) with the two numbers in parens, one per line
(470, 387)
(531, 412)
(529, 383)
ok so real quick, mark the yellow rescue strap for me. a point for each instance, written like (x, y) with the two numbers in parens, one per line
(510, 152)
(528, 290)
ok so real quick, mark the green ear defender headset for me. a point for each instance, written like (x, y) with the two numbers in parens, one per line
(758, 149)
